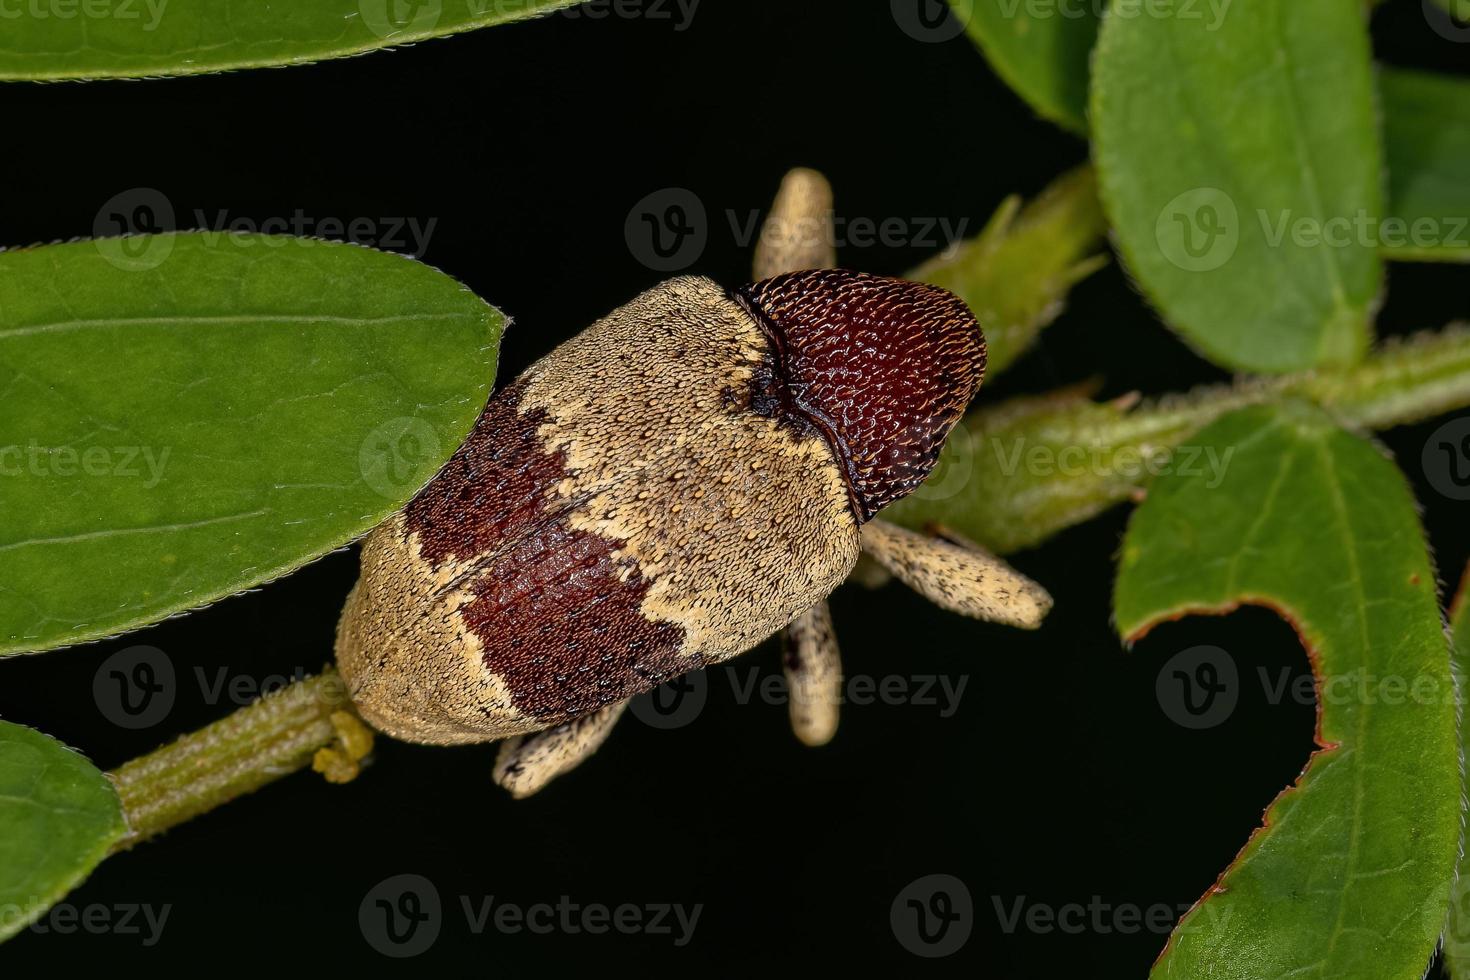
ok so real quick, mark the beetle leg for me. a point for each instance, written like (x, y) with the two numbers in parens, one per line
(528, 762)
(813, 675)
(799, 233)
(958, 576)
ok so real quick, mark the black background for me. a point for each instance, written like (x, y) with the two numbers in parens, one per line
(1058, 779)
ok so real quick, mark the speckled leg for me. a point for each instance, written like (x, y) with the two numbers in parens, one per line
(813, 675)
(528, 762)
(958, 576)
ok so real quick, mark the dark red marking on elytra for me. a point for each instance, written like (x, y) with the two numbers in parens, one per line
(882, 367)
(495, 487)
(558, 614)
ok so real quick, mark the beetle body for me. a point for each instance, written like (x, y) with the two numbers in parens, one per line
(658, 494)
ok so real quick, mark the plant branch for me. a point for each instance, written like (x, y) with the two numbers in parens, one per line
(309, 722)
(1015, 474)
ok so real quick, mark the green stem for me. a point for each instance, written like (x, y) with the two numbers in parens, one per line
(1017, 473)
(256, 745)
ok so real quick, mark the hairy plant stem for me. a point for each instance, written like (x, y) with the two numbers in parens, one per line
(274, 737)
(1018, 472)
(1403, 382)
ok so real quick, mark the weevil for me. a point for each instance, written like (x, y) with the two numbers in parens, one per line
(687, 477)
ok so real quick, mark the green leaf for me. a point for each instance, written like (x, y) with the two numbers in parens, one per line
(191, 415)
(1039, 48)
(1239, 167)
(1016, 274)
(1350, 875)
(1427, 141)
(139, 38)
(58, 818)
(1457, 931)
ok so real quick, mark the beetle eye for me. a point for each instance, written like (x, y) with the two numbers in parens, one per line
(883, 367)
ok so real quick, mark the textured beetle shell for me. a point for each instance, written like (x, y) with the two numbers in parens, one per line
(635, 506)
(884, 367)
